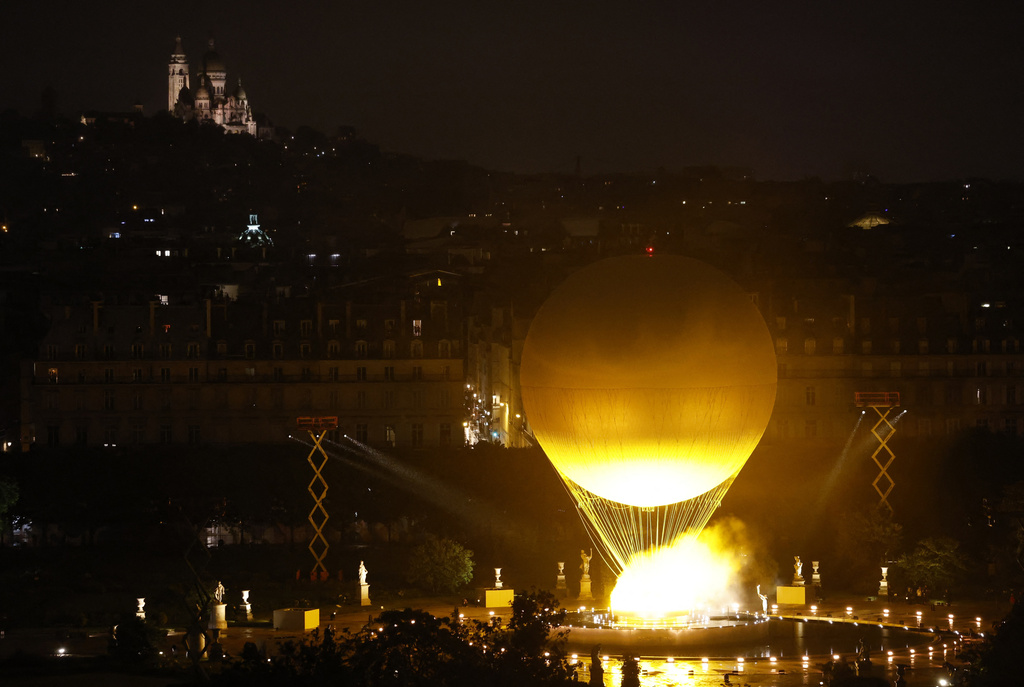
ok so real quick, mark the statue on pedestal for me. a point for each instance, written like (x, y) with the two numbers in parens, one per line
(362, 573)
(585, 565)
(798, 567)
(561, 567)
(497, 578)
(764, 601)
(218, 592)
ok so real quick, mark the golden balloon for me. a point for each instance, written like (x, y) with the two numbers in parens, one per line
(648, 380)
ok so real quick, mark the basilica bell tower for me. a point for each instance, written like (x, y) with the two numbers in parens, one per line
(177, 74)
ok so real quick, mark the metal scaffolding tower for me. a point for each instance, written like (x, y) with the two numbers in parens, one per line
(317, 428)
(882, 402)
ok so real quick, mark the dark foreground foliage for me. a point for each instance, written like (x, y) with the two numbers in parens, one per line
(996, 662)
(411, 648)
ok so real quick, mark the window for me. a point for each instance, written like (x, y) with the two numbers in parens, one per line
(165, 374)
(108, 399)
(952, 425)
(389, 349)
(810, 346)
(165, 434)
(52, 352)
(389, 327)
(1010, 425)
(417, 327)
(278, 374)
(417, 399)
(981, 396)
(780, 323)
(222, 348)
(444, 398)
(52, 436)
(333, 349)
(278, 327)
(362, 433)
(781, 345)
(360, 399)
(922, 346)
(810, 396)
(250, 351)
(110, 436)
(136, 350)
(192, 351)
(193, 435)
(981, 369)
(333, 326)
(811, 429)
(952, 395)
(137, 374)
(80, 351)
(81, 435)
(894, 346)
(417, 435)
(416, 349)
(837, 345)
(1011, 395)
(865, 325)
(137, 400)
(923, 369)
(360, 349)
(165, 350)
(361, 374)
(417, 372)
(193, 374)
(895, 369)
(108, 352)
(277, 399)
(332, 374)
(192, 399)
(108, 375)
(277, 350)
(865, 346)
(444, 349)
(446, 372)
(138, 433)
(950, 345)
(867, 370)
(304, 350)
(389, 435)
(445, 434)
(222, 374)
(361, 325)
(332, 400)
(165, 399)
(306, 328)
(389, 374)
(389, 400)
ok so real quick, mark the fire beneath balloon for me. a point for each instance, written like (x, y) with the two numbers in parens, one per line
(687, 579)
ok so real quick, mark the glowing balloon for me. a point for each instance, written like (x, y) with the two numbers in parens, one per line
(648, 380)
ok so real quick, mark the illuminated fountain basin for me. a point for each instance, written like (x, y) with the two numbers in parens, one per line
(737, 635)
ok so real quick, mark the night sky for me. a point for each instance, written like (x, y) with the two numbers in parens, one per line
(907, 91)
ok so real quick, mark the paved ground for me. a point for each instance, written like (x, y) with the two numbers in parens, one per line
(924, 659)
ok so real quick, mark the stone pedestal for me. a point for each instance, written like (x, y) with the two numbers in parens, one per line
(498, 598)
(364, 594)
(585, 593)
(561, 590)
(218, 616)
(140, 612)
(883, 584)
(300, 619)
(791, 596)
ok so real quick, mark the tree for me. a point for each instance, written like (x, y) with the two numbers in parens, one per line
(441, 565)
(8, 497)
(997, 661)
(935, 562)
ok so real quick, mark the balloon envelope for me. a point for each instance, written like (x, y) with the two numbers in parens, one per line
(648, 380)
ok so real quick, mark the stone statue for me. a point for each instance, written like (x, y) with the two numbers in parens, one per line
(245, 596)
(764, 601)
(798, 567)
(362, 573)
(585, 565)
(218, 592)
(561, 567)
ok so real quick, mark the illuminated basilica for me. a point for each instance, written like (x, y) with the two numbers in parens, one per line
(209, 101)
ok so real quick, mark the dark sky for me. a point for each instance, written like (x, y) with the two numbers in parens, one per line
(907, 90)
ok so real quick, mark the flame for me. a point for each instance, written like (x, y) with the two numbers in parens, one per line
(692, 576)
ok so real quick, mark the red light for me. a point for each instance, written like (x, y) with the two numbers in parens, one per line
(650, 250)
